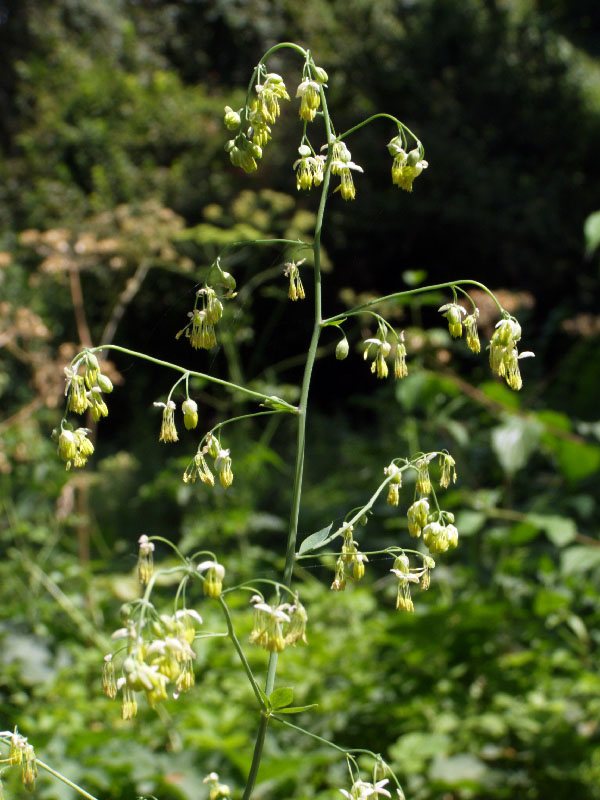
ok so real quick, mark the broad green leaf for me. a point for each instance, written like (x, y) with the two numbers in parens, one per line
(501, 394)
(546, 602)
(281, 697)
(560, 530)
(315, 540)
(296, 709)
(514, 441)
(580, 558)
(469, 522)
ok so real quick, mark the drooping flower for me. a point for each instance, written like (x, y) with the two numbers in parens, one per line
(401, 570)
(393, 497)
(309, 168)
(168, 431)
(291, 271)
(417, 516)
(470, 324)
(268, 621)
(400, 368)
(223, 467)
(342, 165)
(423, 481)
(109, 685)
(213, 582)
(435, 537)
(453, 313)
(310, 96)
(382, 349)
(145, 560)
(405, 170)
(447, 465)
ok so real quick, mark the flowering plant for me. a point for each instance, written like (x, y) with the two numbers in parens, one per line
(154, 651)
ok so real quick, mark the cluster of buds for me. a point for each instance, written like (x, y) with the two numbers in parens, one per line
(309, 168)
(342, 164)
(200, 330)
(406, 166)
(407, 575)
(198, 468)
(217, 790)
(151, 665)
(351, 563)
(291, 271)
(74, 446)
(246, 148)
(22, 755)
(504, 355)
(277, 627)
(85, 391)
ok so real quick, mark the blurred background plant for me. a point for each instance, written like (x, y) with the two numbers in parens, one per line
(115, 193)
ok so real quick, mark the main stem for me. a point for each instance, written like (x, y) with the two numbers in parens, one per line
(290, 553)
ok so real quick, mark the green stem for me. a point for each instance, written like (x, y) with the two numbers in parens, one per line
(420, 290)
(300, 440)
(62, 778)
(344, 750)
(192, 373)
(241, 654)
(257, 755)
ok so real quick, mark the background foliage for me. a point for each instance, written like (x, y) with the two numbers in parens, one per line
(115, 194)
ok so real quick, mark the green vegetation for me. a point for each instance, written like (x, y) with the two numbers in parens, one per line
(115, 195)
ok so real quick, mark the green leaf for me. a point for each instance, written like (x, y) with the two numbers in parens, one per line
(560, 530)
(315, 540)
(580, 558)
(281, 697)
(296, 709)
(514, 441)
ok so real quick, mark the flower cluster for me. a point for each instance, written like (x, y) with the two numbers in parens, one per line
(22, 755)
(291, 271)
(351, 563)
(407, 575)
(85, 391)
(152, 664)
(309, 168)
(246, 148)
(74, 446)
(406, 166)
(504, 355)
(276, 627)
(168, 430)
(380, 349)
(200, 330)
(198, 468)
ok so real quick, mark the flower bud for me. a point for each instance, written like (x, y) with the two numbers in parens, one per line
(320, 75)
(67, 446)
(190, 413)
(104, 383)
(342, 349)
(232, 119)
